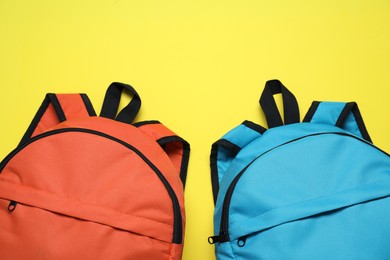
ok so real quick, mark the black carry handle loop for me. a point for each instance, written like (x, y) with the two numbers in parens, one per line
(111, 103)
(290, 104)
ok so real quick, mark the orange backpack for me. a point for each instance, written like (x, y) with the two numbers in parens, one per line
(80, 186)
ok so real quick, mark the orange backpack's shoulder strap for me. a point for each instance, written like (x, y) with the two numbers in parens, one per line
(175, 147)
(57, 108)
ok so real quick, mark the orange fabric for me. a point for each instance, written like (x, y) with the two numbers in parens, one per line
(135, 137)
(32, 233)
(176, 251)
(73, 107)
(174, 150)
(84, 196)
(156, 131)
(48, 120)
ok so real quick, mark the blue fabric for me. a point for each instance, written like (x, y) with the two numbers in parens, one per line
(311, 191)
(329, 112)
(351, 126)
(239, 136)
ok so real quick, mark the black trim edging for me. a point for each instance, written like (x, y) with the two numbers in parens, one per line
(185, 155)
(234, 149)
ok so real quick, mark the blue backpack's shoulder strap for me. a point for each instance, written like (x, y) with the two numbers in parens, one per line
(225, 149)
(341, 114)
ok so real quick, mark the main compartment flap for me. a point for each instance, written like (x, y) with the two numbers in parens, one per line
(88, 175)
(311, 175)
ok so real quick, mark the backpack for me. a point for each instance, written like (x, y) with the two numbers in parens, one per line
(81, 186)
(312, 190)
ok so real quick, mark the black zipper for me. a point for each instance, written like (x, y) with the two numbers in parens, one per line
(223, 235)
(177, 226)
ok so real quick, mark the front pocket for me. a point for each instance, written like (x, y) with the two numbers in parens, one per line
(359, 231)
(311, 207)
(30, 232)
(75, 208)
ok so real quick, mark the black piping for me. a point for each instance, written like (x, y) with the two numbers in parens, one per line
(52, 98)
(34, 123)
(254, 126)
(234, 149)
(185, 154)
(310, 113)
(148, 122)
(353, 107)
(57, 107)
(88, 104)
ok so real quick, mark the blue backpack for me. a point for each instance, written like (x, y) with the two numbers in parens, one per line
(313, 190)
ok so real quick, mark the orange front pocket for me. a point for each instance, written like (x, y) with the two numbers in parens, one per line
(33, 233)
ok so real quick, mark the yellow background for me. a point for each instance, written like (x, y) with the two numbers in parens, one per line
(199, 67)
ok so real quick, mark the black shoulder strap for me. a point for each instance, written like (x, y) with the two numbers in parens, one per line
(225, 150)
(57, 108)
(177, 149)
(341, 114)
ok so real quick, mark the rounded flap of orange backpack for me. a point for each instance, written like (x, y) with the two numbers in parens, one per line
(91, 176)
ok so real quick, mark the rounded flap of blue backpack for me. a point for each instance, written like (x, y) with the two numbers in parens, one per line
(307, 176)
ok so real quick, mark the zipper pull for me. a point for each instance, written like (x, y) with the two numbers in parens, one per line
(12, 205)
(241, 241)
(218, 239)
(213, 239)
